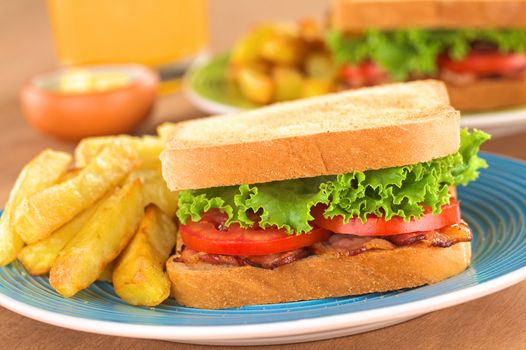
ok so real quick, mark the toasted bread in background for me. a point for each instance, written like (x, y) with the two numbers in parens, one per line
(215, 287)
(486, 94)
(370, 128)
(358, 15)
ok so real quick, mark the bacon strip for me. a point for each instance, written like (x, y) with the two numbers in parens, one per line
(337, 244)
(445, 237)
(349, 245)
(270, 261)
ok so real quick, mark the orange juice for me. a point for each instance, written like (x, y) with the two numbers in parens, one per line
(155, 33)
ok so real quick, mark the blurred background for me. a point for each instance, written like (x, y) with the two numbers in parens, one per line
(27, 47)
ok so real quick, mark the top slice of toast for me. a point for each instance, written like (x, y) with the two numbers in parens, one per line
(359, 15)
(368, 128)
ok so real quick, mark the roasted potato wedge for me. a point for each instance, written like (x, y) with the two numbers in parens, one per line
(99, 242)
(282, 50)
(315, 87)
(138, 276)
(320, 66)
(255, 85)
(38, 258)
(147, 149)
(42, 172)
(155, 190)
(44, 212)
(247, 49)
(107, 273)
(288, 83)
(165, 130)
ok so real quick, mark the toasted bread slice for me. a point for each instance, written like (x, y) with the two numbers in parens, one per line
(319, 276)
(359, 15)
(370, 128)
(486, 94)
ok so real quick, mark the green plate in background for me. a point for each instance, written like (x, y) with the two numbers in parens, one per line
(207, 85)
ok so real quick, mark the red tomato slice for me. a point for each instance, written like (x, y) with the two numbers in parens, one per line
(376, 226)
(210, 236)
(485, 63)
(364, 74)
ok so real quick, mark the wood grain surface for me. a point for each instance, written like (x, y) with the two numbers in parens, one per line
(497, 321)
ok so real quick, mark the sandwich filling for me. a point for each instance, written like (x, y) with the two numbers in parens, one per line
(456, 56)
(270, 224)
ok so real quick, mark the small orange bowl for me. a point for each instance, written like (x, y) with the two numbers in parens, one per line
(73, 116)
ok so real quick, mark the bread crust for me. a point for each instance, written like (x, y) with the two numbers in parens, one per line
(320, 276)
(358, 15)
(428, 130)
(487, 94)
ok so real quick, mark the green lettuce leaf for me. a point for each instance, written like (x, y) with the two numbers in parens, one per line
(415, 51)
(397, 191)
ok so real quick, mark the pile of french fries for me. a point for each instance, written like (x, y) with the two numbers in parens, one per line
(282, 61)
(105, 215)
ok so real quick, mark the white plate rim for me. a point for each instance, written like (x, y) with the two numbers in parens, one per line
(272, 329)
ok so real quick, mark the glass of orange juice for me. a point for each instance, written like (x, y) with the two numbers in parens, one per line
(164, 34)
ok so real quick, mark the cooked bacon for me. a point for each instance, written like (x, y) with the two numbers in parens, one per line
(450, 235)
(445, 237)
(459, 79)
(406, 238)
(338, 244)
(349, 245)
(272, 261)
(189, 256)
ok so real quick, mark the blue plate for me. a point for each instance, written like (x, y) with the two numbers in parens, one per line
(494, 206)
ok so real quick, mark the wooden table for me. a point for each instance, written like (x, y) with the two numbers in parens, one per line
(496, 321)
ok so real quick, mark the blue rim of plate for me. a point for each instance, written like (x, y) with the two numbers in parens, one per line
(494, 206)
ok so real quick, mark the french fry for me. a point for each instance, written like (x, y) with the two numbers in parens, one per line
(147, 149)
(139, 277)
(44, 212)
(155, 190)
(107, 273)
(38, 258)
(43, 171)
(165, 130)
(69, 175)
(99, 242)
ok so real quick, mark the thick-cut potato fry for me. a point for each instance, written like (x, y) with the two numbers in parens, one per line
(155, 190)
(147, 149)
(38, 258)
(44, 212)
(107, 273)
(99, 242)
(43, 171)
(138, 276)
(69, 175)
(165, 130)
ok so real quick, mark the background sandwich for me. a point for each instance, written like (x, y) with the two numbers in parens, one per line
(476, 47)
(349, 193)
